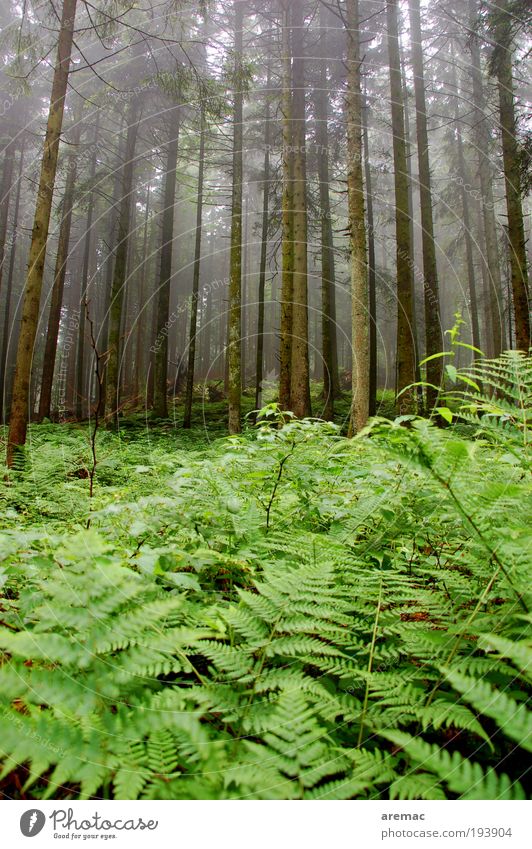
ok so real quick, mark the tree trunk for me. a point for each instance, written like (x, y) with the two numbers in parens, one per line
(466, 219)
(141, 341)
(160, 399)
(56, 301)
(406, 366)
(112, 399)
(5, 194)
(8, 331)
(433, 334)
(32, 295)
(512, 176)
(485, 172)
(331, 383)
(357, 228)
(196, 277)
(259, 366)
(80, 355)
(300, 376)
(287, 284)
(234, 352)
(372, 278)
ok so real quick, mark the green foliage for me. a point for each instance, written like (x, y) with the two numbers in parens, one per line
(283, 614)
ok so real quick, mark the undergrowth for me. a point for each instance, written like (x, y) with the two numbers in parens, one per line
(285, 614)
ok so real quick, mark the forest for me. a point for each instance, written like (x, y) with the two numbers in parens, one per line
(265, 399)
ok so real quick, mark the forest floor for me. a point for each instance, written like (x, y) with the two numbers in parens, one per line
(282, 614)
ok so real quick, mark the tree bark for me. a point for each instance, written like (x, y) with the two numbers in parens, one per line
(196, 277)
(8, 331)
(287, 284)
(56, 301)
(300, 374)
(433, 333)
(357, 228)
(160, 397)
(112, 399)
(331, 383)
(372, 277)
(80, 354)
(485, 173)
(5, 195)
(259, 364)
(234, 352)
(406, 366)
(512, 177)
(32, 295)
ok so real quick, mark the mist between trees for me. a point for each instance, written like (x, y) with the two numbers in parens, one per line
(234, 191)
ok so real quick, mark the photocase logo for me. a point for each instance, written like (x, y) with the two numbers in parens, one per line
(32, 822)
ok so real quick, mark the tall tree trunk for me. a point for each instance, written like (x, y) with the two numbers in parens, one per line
(56, 301)
(287, 215)
(141, 335)
(195, 277)
(357, 227)
(112, 399)
(485, 172)
(234, 352)
(259, 364)
(5, 195)
(160, 399)
(331, 383)
(372, 277)
(80, 354)
(433, 334)
(8, 331)
(502, 62)
(466, 219)
(406, 366)
(300, 376)
(32, 295)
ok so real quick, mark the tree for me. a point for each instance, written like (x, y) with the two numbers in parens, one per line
(433, 334)
(404, 261)
(259, 365)
(160, 397)
(112, 399)
(300, 376)
(56, 300)
(357, 227)
(18, 422)
(287, 215)
(196, 275)
(501, 65)
(234, 353)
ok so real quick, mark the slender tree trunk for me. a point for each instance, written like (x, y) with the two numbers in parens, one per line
(406, 366)
(235, 275)
(80, 355)
(512, 176)
(328, 319)
(357, 227)
(30, 311)
(8, 331)
(195, 278)
(433, 334)
(415, 328)
(300, 376)
(372, 277)
(140, 342)
(56, 301)
(259, 365)
(287, 285)
(112, 399)
(160, 399)
(5, 195)
(466, 219)
(485, 172)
